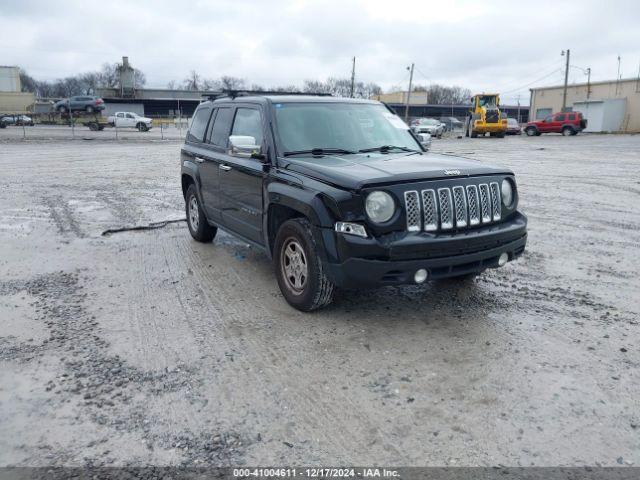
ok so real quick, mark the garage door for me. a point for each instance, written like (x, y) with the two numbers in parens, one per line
(593, 112)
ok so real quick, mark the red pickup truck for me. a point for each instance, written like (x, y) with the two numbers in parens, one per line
(566, 123)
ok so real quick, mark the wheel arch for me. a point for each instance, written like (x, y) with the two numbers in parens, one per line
(285, 202)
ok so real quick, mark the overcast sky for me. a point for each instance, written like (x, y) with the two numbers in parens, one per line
(504, 46)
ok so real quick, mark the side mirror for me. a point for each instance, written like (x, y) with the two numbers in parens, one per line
(245, 146)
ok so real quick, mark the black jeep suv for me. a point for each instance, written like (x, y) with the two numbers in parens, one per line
(339, 193)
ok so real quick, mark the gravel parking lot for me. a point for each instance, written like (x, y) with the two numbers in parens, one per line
(145, 347)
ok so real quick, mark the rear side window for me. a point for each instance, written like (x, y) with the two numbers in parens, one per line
(248, 122)
(560, 118)
(221, 126)
(571, 117)
(199, 125)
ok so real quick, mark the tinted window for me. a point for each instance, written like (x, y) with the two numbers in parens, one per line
(199, 125)
(220, 132)
(248, 122)
(571, 117)
(560, 118)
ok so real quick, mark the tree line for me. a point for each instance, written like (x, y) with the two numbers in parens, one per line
(109, 77)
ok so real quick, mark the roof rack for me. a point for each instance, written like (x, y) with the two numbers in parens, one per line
(232, 93)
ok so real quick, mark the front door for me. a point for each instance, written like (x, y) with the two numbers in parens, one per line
(241, 179)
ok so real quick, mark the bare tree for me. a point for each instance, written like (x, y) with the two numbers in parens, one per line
(192, 82)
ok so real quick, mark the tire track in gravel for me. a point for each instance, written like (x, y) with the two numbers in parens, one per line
(233, 317)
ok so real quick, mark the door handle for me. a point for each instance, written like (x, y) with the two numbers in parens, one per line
(199, 160)
(226, 168)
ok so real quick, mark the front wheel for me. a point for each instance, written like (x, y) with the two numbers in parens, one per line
(530, 131)
(199, 227)
(299, 270)
(142, 127)
(566, 131)
(89, 109)
(62, 109)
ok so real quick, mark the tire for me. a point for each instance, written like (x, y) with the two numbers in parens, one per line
(298, 267)
(94, 127)
(141, 127)
(62, 109)
(89, 109)
(566, 131)
(199, 227)
(574, 132)
(531, 131)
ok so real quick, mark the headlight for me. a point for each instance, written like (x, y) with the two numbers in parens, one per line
(380, 206)
(507, 193)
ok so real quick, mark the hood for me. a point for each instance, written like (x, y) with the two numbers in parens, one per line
(356, 171)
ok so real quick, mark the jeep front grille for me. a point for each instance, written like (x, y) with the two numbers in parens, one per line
(412, 205)
(456, 207)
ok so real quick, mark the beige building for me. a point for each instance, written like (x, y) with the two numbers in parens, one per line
(608, 106)
(417, 98)
(12, 100)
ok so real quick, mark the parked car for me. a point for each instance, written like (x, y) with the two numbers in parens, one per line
(566, 123)
(87, 103)
(428, 125)
(451, 123)
(130, 119)
(513, 127)
(339, 193)
(424, 139)
(18, 120)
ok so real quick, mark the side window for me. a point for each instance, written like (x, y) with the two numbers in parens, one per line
(120, 115)
(248, 122)
(199, 125)
(548, 120)
(571, 117)
(220, 132)
(561, 117)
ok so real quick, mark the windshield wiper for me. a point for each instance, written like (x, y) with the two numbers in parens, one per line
(320, 151)
(386, 148)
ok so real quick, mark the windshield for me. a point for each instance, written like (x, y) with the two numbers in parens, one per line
(488, 101)
(344, 126)
(429, 121)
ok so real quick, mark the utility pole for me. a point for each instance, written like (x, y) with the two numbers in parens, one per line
(588, 82)
(518, 108)
(406, 109)
(353, 77)
(566, 80)
(618, 76)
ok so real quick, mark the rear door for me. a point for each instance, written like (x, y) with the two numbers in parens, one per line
(241, 178)
(216, 138)
(196, 150)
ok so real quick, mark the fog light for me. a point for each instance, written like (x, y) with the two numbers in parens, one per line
(503, 259)
(420, 276)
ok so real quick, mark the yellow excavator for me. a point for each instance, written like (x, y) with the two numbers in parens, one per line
(485, 116)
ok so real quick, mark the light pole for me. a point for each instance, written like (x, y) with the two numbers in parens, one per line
(406, 108)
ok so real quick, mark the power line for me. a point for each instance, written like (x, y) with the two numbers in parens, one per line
(531, 83)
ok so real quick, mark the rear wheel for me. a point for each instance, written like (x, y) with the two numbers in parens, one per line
(531, 131)
(566, 131)
(196, 220)
(299, 269)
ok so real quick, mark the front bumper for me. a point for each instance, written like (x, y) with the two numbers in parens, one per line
(368, 263)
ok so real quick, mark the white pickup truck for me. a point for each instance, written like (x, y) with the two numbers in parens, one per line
(130, 119)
